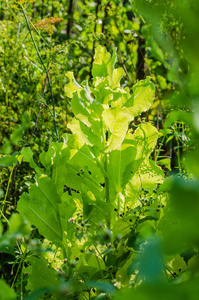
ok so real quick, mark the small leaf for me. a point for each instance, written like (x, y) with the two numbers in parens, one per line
(142, 99)
(40, 276)
(117, 76)
(72, 86)
(145, 139)
(117, 123)
(80, 110)
(165, 162)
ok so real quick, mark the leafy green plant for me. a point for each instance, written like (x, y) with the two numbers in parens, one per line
(10, 247)
(91, 198)
(99, 221)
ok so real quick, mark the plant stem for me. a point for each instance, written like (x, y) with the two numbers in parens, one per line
(178, 148)
(7, 190)
(45, 69)
(4, 216)
(94, 31)
(22, 280)
(107, 189)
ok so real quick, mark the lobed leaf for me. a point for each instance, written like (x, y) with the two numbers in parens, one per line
(141, 100)
(72, 86)
(41, 208)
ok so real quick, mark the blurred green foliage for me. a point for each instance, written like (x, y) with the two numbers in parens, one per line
(153, 38)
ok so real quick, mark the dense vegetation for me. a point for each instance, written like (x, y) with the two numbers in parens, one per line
(99, 159)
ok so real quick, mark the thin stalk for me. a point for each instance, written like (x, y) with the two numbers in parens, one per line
(106, 180)
(179, 161)
(22, 280)
(159, 149)
(45, 69)
(124, 66)
(178, 149)
(7, 190)
(40, 106)
(18, 32)
(4, 216)
(107, 188)
(94, 31)
(15, 278)
(13, 179)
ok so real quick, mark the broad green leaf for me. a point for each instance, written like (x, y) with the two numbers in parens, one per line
(103, 93)
(93, 134)
(103, 66)
(46, 222)
(128, 164)
(79, 138)
(90, 267)
(114, 171)
(136, 148)
(80, 110)
(72, 178)
(46, 189)
(89, 201)
(76, 177)
(6, 292)
(178, 263)
(147, 176)
(40, 276)
(119, 173)
(72, 86)
(81, 153)
(151, 174)
(142, 99)
(94, 207)
(85, 159)
(40, 207)
(144, 138)
(54, 161)
(149, 262)
(67, 208)
(117, 76)
(59, 171)
(96, 108)
(101, 60)
(165, 162)
(85, 135)
(117, 125)
(47, 158)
